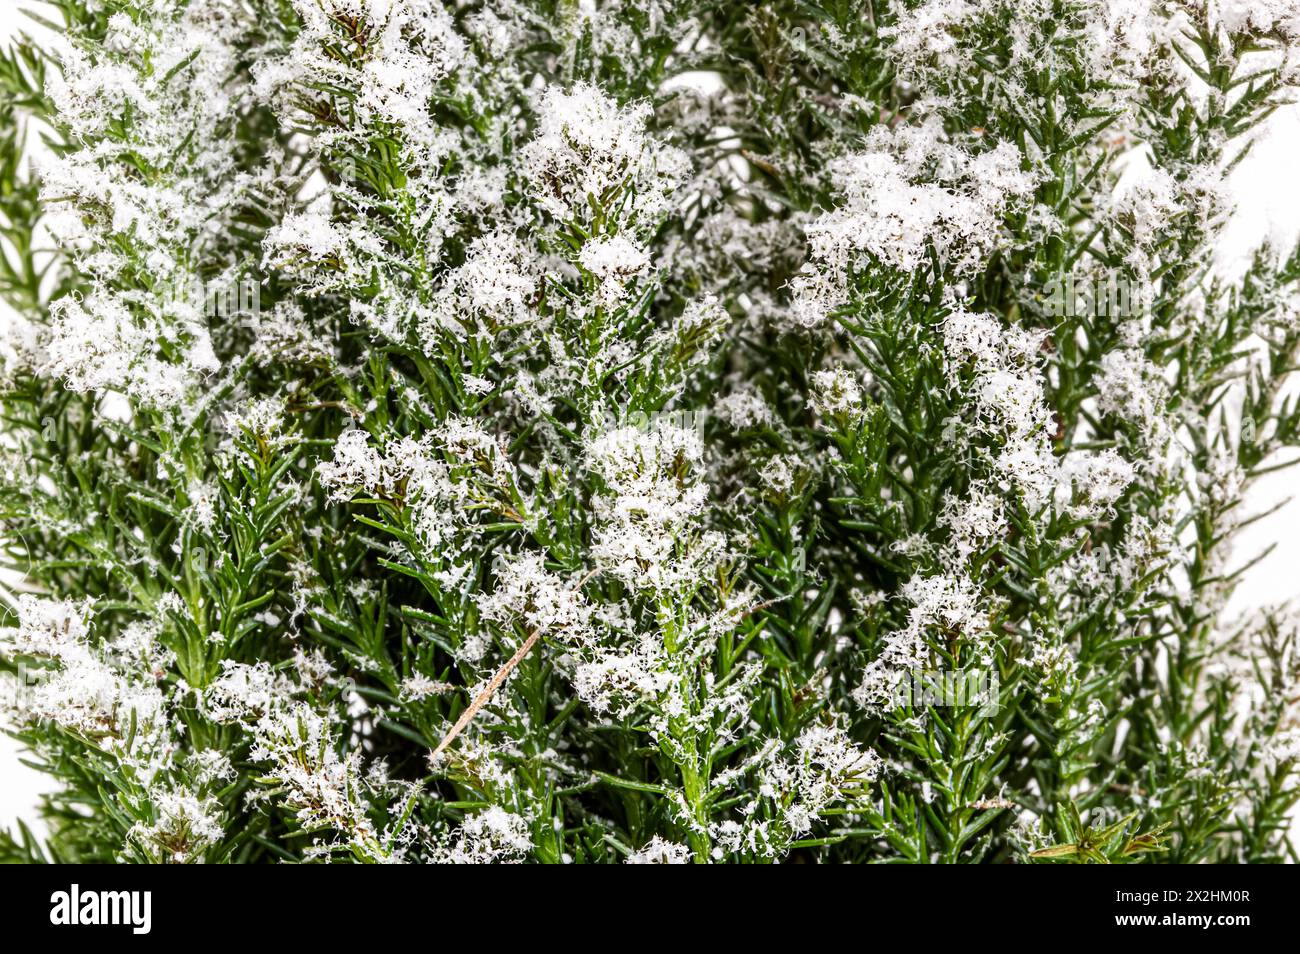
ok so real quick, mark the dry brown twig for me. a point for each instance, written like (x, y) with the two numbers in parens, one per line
(494, 684)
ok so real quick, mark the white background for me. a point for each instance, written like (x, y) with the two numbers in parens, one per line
(1267, 190)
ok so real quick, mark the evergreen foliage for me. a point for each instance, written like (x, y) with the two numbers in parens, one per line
(575, 431)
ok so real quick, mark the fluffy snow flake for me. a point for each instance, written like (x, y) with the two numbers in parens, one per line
(1133, 389)
(356, 466)
(418, 687)
(1101, 477)
(646, 532)
(184, 825)
(394, 53)
(615, 261)
(97, 693)
(946, 605)
(326, 791)
(494, 288)
(836, 394)
(100, 343)
(58, 629)
(1259, 16)
(618, 679)
(660, 852)
(244, 693)
(909, 191)
(539, 599)
(744, 407)
(822, 768)
(493, 836)
(589, 146)
(977, 520)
